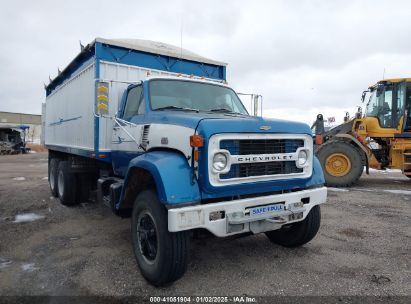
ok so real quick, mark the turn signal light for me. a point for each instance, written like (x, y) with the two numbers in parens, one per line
(196, 141)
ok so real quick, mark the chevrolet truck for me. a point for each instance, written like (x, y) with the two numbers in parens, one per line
(158, 135)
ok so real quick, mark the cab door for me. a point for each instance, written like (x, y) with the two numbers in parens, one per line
(388, 105)
(399, 105)
(128, 130)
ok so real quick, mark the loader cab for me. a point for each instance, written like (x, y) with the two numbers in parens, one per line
(389, 102)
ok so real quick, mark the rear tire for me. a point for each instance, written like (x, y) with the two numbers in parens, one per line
(297, 234)
(67, 184)
(83, 187)
(349, 158)
(53, 171)
(162, 256)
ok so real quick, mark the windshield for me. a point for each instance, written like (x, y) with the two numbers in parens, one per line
(190, 95)
(380, 105)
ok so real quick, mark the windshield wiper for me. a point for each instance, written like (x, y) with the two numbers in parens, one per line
(224, 110)
(221, 110)
(177, 108)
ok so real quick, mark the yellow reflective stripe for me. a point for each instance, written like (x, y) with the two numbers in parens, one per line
(102, 98)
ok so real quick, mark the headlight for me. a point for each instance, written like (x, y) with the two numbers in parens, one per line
(219, 161)
(302, 158)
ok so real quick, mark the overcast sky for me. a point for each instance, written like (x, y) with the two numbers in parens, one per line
(304, 57)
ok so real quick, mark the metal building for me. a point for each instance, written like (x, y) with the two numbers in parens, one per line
(33, 134)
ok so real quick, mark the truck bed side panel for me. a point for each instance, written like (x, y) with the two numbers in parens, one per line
(69, 113)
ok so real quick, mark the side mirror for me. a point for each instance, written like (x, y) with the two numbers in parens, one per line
(363, 95)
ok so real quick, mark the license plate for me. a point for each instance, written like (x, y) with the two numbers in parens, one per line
(257, 211)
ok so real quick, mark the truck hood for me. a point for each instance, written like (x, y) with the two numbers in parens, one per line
(213, 123)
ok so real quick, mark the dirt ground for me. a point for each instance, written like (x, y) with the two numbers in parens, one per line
(363, 246)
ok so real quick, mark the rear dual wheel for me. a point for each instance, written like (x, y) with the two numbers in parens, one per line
(69, 187)
(66, 184)
(53, 170)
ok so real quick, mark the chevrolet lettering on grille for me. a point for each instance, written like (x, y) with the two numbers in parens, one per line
(241, 159)
(259, 157)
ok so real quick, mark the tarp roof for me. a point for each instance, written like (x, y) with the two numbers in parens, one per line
(141, 45)
(160, 48)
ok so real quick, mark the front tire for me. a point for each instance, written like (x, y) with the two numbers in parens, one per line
(341, 162)
(162, 256)
(297, 234)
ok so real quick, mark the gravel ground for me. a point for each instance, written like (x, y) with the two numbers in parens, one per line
(363, 246)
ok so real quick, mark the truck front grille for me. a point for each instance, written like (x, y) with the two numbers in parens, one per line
(257, 169)
(261, 146)
(259, 157)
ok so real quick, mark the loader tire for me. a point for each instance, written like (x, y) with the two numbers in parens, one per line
(297, 234)
(67, 184)
(53, 171)
(162, 256)
(341, 162)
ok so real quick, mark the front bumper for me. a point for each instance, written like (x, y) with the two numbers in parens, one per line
(234, 216)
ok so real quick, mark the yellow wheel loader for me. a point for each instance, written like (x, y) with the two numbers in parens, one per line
(380, 138)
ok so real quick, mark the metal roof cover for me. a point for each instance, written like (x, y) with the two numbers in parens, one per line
(160, 48)
(141, 45)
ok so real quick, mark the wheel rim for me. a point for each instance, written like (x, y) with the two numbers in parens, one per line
(60, 183)
(338, 164)
(52, 178)
(147, 237)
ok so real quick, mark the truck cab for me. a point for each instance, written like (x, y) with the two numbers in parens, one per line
(180, 153)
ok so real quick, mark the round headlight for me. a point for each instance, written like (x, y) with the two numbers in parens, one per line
(219, 161)
(302, 158)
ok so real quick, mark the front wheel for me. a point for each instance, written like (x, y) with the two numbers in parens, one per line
(297, 234)
(341, 162)
(162, 256)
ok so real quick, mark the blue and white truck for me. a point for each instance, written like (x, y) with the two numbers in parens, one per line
(159, 135)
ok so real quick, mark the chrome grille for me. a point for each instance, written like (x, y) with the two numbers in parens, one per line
(261, 146)
(258, 169)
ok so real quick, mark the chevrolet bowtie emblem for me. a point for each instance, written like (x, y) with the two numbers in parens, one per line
(265, 128)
